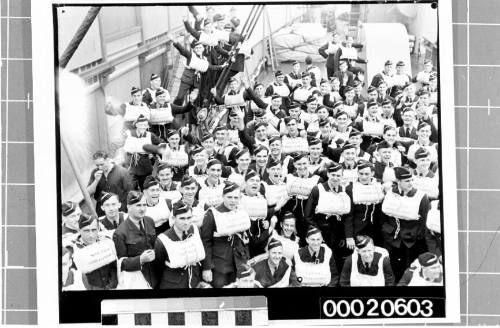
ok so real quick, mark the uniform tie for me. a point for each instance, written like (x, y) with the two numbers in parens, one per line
(184, 235)
(141, 226)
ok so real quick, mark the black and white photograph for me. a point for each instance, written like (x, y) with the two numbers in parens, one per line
(291, 150)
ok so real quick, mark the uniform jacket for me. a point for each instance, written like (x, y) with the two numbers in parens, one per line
(130, 242)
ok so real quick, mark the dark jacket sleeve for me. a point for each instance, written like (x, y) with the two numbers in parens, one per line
(345, 276)
(322, 50)
(155, 140)
(248, 94)
(405, 280)
(128, 263)
(312, 202)
(159, 261)
(349, 217)
(183, 51)
(269, 91)
(388, 274)
(333, 270)
(176, 109)
(196, 34)
(207, 233)
(246, 140)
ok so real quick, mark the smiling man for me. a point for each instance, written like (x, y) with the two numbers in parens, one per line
(368, 266)
(275, 271)
(103, 277)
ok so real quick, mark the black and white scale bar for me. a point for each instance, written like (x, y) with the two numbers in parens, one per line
(208, 311)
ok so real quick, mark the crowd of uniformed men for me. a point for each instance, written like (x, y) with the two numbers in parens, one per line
(310, 180)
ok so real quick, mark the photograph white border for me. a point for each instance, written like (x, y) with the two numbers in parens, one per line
(46, 175)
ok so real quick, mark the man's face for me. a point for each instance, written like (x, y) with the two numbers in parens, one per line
(366, 253)
(312, 106)
(243, 161)
(365, 175)
(156, 83)
(275, 171)
(200, 158)
(292, 126)
(314, 242)
(349, 155)
(433, 84)
(356, 140)
(208, 144)
(301, 164)
(102, 164)
(221, 24)
(387, 110)
(153, 193)
(325, 88)
(208, 28)
(342, 120)
(111, 207)
(189, 191)
(322, 112)
(173, 141)
(288, 227)
(247, 282)
(221, 135)
(335, 84)
(385, 154)
(259, 91)
(261, 132)
(198, 49)
(343, 66)
(215, 171)
(408, 117)
(165, 176)
(137, 98)
(72, 219)
(275, 255)
(296, 68)
(275, 147)
(388, 68)
(183, 221)
(373, 110)
(161, 98)
(373, 95)
(294, 112)
(424, 98)
(349, 95)
(315, 150)
(382, 89)
(432, 272)
(424, 133)
(400, 69)
(232, 199)
(306, 80)
(428, 67)
(358, 88)
(89, 233)
(349, 41)
(335, 38)
(406, 184)
(335, 177)
(325, 129)
(252, 185)
(138, 209)
(233, 85)
(423, 163)
(280, 79)
(276, 102)
(390, 136)
(142, 126)
(261, 158)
